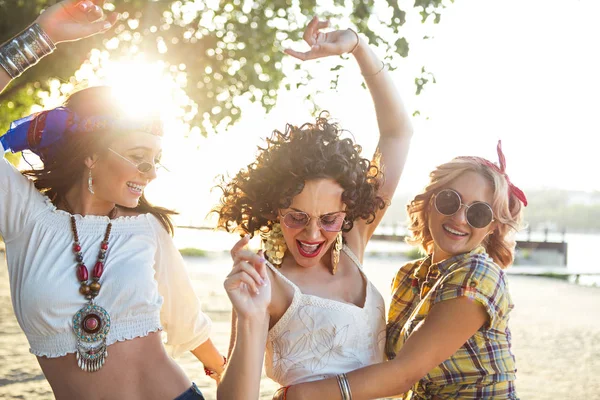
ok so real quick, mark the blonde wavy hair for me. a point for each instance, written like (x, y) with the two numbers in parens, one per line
(506, 206)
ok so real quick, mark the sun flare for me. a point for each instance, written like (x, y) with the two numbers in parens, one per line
(140, 86)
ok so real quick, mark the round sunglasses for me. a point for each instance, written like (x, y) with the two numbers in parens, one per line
(143, 167)
(479, 214)
(331, 222)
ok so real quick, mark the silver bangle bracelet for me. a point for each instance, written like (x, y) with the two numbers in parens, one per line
(344, 387)
(341, 385)
(25, 50)
(347, 384)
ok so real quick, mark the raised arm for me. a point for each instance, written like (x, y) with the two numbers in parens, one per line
(66, 21)
(395, 128)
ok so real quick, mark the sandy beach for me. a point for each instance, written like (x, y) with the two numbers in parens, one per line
(555, 325)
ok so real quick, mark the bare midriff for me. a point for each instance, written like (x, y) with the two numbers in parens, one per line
(135, 369)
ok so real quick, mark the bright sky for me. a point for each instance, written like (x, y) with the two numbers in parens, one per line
(524, 71)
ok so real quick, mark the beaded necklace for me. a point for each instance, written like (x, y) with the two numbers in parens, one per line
(91, 323)
(429, 278)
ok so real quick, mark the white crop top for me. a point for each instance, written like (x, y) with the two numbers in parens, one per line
(145, 287)
(317, 338)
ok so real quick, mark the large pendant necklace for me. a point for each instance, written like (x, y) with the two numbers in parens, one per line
(91, 323)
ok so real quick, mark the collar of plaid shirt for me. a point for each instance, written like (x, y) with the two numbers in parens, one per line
(426, 274)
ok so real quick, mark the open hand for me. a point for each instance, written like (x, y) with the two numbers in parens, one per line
(72, 20)
(325, 44)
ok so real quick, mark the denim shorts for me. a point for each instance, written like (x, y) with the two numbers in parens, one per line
(192, 393)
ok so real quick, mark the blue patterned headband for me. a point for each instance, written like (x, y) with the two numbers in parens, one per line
(45, 132)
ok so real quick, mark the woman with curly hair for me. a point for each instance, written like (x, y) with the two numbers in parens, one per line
(316, 202)
(447, 330)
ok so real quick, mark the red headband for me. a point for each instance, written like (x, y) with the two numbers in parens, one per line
(518, 193)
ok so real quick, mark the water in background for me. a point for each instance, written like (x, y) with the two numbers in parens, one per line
(579, 259)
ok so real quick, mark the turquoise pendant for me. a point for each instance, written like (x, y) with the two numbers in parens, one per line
(91, 325)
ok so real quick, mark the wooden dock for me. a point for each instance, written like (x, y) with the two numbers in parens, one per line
(559, 247)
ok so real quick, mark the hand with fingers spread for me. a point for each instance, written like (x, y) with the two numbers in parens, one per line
(72, 20)
(248, 285)
(324, 44)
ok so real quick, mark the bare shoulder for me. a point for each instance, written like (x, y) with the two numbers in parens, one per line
(282, 295)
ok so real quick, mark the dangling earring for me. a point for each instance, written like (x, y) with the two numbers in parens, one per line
(274, 245)
(90, 183)
(335, 253)
(487, 239)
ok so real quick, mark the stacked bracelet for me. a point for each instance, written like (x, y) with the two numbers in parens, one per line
(354, 49)
(25, 50)
(376, 73)
(211, 373)
(357, 41)
(344, 387)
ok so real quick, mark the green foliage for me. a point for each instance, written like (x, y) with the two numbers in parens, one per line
(561, 209)
(192, 252)
(414, 253)
(423, 80)
(228, 48)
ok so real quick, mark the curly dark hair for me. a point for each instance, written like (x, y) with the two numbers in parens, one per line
(251, 199)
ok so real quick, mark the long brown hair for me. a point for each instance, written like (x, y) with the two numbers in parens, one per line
(67, 167)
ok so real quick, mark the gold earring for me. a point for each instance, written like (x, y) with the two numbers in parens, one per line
(335, 253)
(274, 245)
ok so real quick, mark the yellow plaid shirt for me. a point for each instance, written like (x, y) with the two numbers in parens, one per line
(484, 367)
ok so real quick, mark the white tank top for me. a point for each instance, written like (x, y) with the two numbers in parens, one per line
(317, 338)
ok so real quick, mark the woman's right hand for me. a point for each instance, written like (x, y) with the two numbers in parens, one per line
(72, 20)
(323, 44)
(248, 285)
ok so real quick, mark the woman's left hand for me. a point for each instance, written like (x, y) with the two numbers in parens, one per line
(216, 378)
(325, 44)
(216, 373)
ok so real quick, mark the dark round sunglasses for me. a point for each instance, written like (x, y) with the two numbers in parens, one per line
(479, 214)
(332, 222)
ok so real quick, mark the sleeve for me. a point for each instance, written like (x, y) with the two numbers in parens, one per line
(19, 200)
(481, 280)
(404, 273)
(187, 327)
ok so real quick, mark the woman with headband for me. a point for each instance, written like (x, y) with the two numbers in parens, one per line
(92, 266)
(447, 329)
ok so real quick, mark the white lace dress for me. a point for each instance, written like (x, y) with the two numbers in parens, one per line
(317, 338)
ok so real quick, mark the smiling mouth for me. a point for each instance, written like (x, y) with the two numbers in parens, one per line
(454, 231)
(309, 250)
(138, 189)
